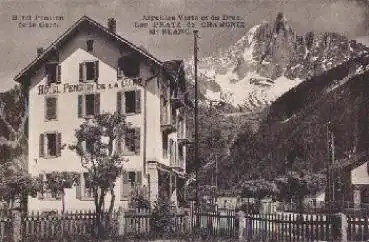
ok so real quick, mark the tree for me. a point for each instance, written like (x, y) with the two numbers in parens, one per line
(56, 182)
(15, 182)
(97, 139)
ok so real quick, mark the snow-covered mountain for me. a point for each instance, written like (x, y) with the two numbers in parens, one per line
(267, 62)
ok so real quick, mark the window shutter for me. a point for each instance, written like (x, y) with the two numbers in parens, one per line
(80, 106)
(79, 188)
(40, 194)
(125, 187)
(137, 140)
(81, 72)
(42, 145)
(138, 101)
(119, 102)
(96, 74)
(97, 103)
(123, 100)
(138, 177)
(58, 144)
(58, 74)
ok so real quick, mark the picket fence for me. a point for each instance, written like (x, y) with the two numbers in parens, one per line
(217, 223)
(287, 227)
(36, 226)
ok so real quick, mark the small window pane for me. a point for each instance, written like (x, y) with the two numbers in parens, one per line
(51, 108)
(51, 144)
(51, 73)
(132, 177)
(130, 140)
(130, 65)
(90, 45)
(90, 104)
(130, 101)
(90, 70)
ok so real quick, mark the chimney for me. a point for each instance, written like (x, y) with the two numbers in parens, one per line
(40, 50)
(112, 24)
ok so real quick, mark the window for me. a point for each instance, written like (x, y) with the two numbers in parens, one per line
(129, 102)
(50, 112)
(90, 45)
(53, 72)
(132, 140)
(180, 152)
(165, 145)
(130, 181)
(163, 110)
(50, 144)
(88, 188)
(181, 133)
(88, 105)
(128, 66)
(45, 192)
(172, 151)
(89, 71)
(84, 190)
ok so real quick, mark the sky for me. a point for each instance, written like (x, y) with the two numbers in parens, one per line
(18, 44)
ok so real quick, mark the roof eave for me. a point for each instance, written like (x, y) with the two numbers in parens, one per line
(20, 76)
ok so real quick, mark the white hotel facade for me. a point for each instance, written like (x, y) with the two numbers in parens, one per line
(90, 70)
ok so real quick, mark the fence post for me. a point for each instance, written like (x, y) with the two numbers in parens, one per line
(121, 222)
(344, 226)
(17, 224)
(241, 225)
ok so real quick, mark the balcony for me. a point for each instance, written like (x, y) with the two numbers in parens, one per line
(167, 124)
(178, 101)
(176, 163)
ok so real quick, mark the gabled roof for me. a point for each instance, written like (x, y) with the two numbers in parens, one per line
(55, 45)
(354, 161)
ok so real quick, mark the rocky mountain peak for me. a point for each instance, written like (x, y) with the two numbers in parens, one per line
(268, 61)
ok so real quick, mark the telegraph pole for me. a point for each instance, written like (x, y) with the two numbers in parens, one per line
(197, 162)
(331, 157)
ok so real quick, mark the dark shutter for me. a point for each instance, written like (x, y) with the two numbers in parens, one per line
(80, 106)
(119, 102)
(42, 144)
(58, 74)
(97, 103)
(137, 140)
(138, 101)
(125, 187)
(138, 177)
(51, 103)
(96, 74)
(40, 194)
(58, 144)
(123, 100)
(81, 74)
(79, 188)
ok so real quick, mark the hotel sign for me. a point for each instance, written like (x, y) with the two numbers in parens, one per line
(86, 86)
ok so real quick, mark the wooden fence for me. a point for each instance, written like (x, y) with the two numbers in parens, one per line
(40, 227)
(6, 226)
(290, 227)
(215, 222)
(358, 228)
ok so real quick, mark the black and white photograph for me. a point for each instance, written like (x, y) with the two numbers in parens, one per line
(184, 120)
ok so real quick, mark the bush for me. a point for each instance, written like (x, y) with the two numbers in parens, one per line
(162, 217)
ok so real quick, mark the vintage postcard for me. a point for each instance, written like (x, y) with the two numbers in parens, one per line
(184, 120)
